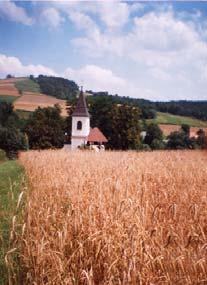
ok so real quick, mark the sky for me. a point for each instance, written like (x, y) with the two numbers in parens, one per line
(152, 50)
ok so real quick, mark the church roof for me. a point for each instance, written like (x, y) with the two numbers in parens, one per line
(96, 135)
(81, 109)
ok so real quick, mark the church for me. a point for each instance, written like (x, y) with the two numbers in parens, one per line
(82, 134)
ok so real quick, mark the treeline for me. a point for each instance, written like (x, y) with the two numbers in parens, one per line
(122, 125)
(196, 109)
(44, 129)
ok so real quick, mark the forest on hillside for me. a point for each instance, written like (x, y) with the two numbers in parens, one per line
(58, 87)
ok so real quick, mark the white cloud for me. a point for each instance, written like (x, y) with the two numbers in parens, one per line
(169, 52)
(12, 65)
(52, 17)
(96, 78)
(114, 14)
(10, 11)
(82, 21)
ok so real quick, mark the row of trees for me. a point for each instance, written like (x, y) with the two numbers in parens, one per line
(176, 140)
(122, 125)
(44, 129)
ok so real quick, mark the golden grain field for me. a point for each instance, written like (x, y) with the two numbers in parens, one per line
(115, 218)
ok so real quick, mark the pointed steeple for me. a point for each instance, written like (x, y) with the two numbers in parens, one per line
(81, 109)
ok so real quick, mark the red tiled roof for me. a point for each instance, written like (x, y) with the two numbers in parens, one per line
(96, 135)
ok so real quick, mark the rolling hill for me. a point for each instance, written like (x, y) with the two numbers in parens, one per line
(169, 123)
(169, 119)
(25, 95)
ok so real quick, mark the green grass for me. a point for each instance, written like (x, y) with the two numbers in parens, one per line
(10, 179)
(8, 99)
(27, 85)
(166, 118)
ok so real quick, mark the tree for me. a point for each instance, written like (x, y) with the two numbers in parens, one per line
(9, 76)
(179, 140)
(12, 140)
(153, 134)
(125, 127)
(70, 106)
(100, 110)
(186, 129)
(45, 128)
(201, 139)
(6, 113)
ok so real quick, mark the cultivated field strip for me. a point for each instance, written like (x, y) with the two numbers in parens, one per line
(31, 101)
(115, 218)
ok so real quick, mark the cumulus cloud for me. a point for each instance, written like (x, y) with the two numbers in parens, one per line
(12, 65)
(97, 78)
(10, 11)
(170, 53)
(52, 17)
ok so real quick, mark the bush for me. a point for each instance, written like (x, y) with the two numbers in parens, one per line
(157, 144)
(2, 155)
(179, 140)
(154, 137)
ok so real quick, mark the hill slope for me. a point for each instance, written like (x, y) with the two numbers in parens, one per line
(169, 119)
(25, 95)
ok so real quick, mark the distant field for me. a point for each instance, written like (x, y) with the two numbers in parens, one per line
(166, 118)
(27, 85)
(8, 88)
(8, 99)
(31, 101)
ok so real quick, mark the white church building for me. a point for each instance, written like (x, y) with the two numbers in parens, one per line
(82, 133)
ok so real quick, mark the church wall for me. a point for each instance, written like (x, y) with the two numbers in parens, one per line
(75, 142)
(79, 136)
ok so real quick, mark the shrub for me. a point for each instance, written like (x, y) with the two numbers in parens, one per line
(2, 155)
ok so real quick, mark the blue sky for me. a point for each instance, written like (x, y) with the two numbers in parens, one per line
(153, 50)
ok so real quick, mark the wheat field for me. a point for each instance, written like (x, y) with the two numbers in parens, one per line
(114, 218)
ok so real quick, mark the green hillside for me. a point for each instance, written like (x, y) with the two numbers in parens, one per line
(27, 85)
(166, 118)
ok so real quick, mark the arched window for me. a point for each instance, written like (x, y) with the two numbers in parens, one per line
(79, 125)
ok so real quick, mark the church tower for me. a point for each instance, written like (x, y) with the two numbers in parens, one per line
(80, 123)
